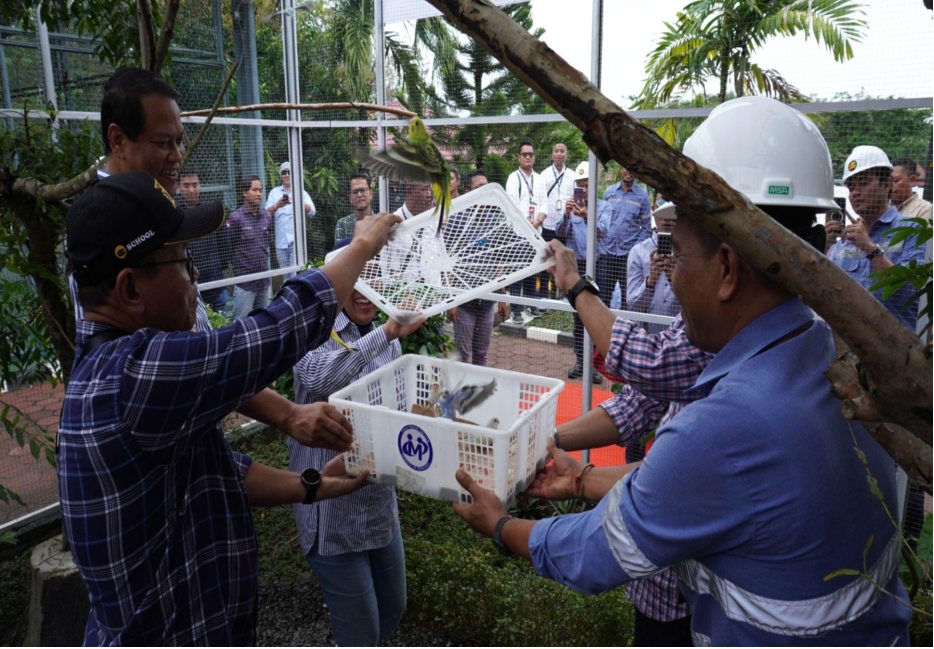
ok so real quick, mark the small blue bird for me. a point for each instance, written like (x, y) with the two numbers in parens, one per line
(463, 400)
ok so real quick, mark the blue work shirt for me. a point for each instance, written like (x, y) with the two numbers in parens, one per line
(211, 254)
(631, 218)
(858, 265)
(751, 524)
(574, 228)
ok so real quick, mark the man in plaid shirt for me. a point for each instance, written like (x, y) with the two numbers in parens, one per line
(661, 367)
(156, 504)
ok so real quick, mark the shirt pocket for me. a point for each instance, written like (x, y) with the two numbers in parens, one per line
(849, 264)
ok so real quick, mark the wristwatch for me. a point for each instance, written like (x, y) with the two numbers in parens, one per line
(554, 436)
(585, 283)
(498, 536)
(311, 480)
(876, 252)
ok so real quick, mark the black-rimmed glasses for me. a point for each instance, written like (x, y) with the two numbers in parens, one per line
(359, 191)
(188, 261)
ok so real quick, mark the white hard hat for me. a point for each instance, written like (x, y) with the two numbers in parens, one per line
(285, 166)
(666, 211)
(863, 158)
(767, 151)
(582, 172)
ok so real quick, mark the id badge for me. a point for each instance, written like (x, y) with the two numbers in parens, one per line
(531, 210)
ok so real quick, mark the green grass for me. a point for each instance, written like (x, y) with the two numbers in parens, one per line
(554, 319)
(14, 596)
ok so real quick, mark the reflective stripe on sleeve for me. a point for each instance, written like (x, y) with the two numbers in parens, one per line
(800, 618)
(629, 557)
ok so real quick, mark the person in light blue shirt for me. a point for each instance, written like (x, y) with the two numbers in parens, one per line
(630, 223)
(648, 287)
(279, 203)
(864, 246)
(756, 531)
(573, 229)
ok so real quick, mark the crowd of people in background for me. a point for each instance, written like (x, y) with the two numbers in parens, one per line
(157, 506)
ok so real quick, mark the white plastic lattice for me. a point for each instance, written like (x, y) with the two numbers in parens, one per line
(486, 244)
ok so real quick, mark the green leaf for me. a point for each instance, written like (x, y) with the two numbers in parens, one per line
(925, 550)
(8, 538)
(34, 448)
(839, 573)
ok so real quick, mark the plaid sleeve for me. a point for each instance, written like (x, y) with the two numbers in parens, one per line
(662, 366)
(242, 462)
(174, 383)
(634, 414)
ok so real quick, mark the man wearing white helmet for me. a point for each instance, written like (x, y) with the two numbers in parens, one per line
(573, 229)
(751, 526)
(864, 247)
(279, 204)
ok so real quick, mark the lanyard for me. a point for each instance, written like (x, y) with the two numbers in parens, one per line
(558, 181)
(531, 187)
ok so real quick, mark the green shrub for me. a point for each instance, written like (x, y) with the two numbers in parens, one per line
(457, 582)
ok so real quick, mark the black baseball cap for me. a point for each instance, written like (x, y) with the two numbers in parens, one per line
(123, 218)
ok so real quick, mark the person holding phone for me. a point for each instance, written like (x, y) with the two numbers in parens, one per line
(649, 272)
(573, 229)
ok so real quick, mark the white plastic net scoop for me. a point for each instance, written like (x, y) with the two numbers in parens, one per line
(486, 244)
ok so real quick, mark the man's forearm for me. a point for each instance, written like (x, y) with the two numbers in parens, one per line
(599, 481)
(594, 429)
(515, 535)
(269, 408)
(267, 487)
(597, 319)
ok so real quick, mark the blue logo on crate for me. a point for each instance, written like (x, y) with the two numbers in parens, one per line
(415, 447)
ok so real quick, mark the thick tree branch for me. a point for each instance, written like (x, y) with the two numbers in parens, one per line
(166, 32)
(899, 368)
(207, 122)
(16, 189)
(147, 36)
(230, 110)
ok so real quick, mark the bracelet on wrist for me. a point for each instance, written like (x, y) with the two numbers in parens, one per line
(579, 480)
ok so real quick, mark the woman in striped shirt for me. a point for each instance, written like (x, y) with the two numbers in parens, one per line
(352, 543)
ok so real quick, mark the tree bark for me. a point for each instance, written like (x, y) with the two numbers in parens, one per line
(147, 37)
(43, 252)
(898, 365)
(166, 32)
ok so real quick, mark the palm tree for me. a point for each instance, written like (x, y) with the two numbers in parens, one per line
(717, 38)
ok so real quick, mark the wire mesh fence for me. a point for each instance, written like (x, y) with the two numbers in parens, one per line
(865, 80)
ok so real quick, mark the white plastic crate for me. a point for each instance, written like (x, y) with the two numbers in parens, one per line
(421, 454)
(485, 245)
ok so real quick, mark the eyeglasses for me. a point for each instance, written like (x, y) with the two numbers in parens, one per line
(359, 192)
(527, 155)
(188, 261)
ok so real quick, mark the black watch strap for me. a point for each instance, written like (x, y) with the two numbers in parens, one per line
(498, 538)
(876, 252)
(585, 283)
(311, 480)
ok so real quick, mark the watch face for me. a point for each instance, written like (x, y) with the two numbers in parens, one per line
(311, 477)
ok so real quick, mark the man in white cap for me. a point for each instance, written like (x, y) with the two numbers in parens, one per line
(752, 527)
(573, 228)
(863, 247)
(280, 204)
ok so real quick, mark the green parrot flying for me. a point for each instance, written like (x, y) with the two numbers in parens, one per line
(415, 161)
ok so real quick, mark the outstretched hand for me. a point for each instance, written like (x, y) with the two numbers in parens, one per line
(336, 482)
(319, 425)
(557, 480)
(565, 268)
(485, 509)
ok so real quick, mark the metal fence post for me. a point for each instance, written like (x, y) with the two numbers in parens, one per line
(380, 63)
(45, 54)
(292, 96)
(595, 53)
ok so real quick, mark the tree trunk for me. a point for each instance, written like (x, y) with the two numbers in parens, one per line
(739, 78)
(43, 252)
(898, 365)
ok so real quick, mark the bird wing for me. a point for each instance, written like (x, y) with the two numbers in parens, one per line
(472, 396)
(400, 163)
